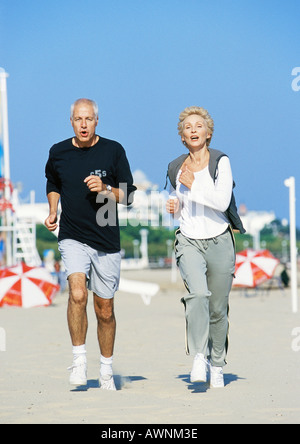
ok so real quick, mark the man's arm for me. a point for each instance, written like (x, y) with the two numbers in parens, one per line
(51, 221)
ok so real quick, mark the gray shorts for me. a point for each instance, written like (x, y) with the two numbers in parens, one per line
(101, 269)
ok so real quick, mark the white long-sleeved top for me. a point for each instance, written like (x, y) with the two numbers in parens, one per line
(201, 214)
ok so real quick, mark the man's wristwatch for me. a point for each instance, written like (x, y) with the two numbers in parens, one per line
(108, 188)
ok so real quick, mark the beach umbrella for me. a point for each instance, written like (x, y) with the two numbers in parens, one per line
(25, 286)
(254, 267)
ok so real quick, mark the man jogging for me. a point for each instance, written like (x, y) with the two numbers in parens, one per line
(90, 175)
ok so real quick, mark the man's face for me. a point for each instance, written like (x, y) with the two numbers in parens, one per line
(84, 123)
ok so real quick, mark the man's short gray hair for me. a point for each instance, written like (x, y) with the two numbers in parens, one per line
(87, 101)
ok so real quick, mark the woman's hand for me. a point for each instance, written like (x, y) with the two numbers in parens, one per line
(187, 178)
(172, 206)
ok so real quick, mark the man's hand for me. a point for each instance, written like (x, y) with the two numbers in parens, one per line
(94, 183)
(51, 222)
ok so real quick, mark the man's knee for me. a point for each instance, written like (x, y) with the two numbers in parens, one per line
(78, 293)
(78, 296)
(104, 309)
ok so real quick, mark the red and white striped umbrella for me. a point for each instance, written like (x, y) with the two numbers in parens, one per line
(254, 267)
(25, 286)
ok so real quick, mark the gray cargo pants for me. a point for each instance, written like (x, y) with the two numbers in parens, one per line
(207, 269)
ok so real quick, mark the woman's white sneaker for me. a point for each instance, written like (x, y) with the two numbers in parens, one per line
(216, 377)
(199, 370)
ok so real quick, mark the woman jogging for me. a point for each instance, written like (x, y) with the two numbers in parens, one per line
(204, 244)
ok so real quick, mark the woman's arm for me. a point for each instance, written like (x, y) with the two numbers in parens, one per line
(216, 195)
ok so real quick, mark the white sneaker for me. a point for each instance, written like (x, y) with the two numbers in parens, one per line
(107, 382)
(216, 377)
(78, 371)
(199, 370)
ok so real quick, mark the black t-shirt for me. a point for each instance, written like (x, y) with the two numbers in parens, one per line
(66, 169)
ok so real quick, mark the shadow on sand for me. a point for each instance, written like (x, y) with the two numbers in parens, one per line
(120, 382)
(202, 387)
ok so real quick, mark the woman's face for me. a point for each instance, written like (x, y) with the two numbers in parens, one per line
(195, 132)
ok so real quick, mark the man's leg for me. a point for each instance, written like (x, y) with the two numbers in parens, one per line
(104, 309)
(77, 264)
(78, 323)
(104, 282)
(77, 315)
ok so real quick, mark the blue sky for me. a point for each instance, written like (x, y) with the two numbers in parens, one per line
(144, 62)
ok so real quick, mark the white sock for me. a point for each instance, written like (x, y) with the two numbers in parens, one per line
(106, 366)
(79, 350)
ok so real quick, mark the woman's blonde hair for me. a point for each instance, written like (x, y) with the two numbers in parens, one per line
(200, 112)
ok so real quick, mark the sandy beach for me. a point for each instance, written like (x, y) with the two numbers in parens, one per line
(152, 370)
